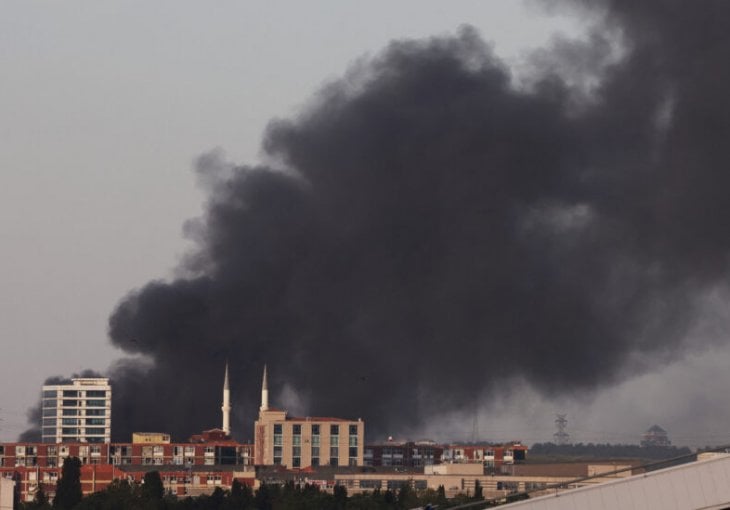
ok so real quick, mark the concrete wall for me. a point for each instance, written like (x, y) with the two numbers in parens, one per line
(6, 494)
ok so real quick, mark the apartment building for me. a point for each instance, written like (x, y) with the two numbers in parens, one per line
(188, 468)
(79, 412)
(301, 442)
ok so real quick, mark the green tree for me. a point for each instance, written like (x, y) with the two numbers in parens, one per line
(152, 488)
(441, 495)
(241, 496)
(264, 499)
(478, 491)
(406, 497)
(68, 488)
(340, 494)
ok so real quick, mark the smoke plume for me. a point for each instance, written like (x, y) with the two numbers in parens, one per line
(426, 231)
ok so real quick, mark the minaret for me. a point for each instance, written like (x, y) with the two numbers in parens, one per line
(226, 407)
(265, 393)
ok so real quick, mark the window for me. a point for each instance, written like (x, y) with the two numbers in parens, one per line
(95, 431)
(69, 421)
(296, 451)
(70, 412)
(95, 393)
(353, 440)
(69, 432)
(334, 451)
(278, 437)
(95, 412)
(334, 461)
(49, 422)
(95, 403)
(50, 403)
(315, 440)
(296, 462)
(49, 411)
(277, 454)
(49, 393)
(95, 421)
(315, 430)
(70, 394)
(370, 484)
(353, 430)
(70, 403)
(334, 430)
(353, 451)
(334, 440)
(315, 461)
(315, 451)
(296, 430)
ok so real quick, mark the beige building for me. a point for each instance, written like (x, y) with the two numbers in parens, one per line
(300, 442)
(462, 478)
(7, 488)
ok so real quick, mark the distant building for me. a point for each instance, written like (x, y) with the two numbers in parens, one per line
(150, 437)
(490, 455)
(301, 442)
(186, 468)
(655, 436)
(403, 453)
(80, 412)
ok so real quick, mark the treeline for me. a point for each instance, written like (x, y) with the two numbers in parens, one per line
(599, 450)
(123, 495)
(150, 495)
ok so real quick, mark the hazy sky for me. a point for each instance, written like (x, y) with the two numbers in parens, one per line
(103, 108)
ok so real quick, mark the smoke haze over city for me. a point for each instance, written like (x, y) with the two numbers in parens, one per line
(435, 226)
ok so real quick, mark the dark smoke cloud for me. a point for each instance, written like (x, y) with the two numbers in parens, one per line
(436, 231)
(34, 414)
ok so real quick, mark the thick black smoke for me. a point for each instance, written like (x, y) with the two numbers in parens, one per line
(33, 434)
(436, 231)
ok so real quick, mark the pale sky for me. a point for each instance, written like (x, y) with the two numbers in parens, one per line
(103, 108)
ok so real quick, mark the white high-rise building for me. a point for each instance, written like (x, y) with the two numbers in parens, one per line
(77, 412)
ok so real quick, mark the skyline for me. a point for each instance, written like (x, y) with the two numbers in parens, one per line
(122, 193)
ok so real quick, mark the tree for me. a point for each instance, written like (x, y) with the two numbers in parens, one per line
(340, 494)
(40, 500)
(241, 495)
(152, 488)
(441, 495)
(264, 499)
(406, 496)
(68, 488)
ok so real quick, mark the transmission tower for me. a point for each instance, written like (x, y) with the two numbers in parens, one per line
(561, 436)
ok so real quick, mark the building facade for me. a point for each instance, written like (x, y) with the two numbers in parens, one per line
(80, 412)
(186, 468)
(301, 442)
(403, 453)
